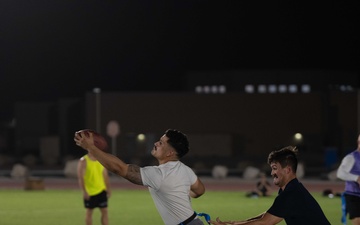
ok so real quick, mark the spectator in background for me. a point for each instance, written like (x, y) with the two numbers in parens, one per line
(263, 187)
(349, 171)
(95, 185)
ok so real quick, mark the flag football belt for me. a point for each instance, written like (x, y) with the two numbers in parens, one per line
(188, 220)
(206, 216)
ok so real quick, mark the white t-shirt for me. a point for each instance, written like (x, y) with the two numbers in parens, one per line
(169, 185)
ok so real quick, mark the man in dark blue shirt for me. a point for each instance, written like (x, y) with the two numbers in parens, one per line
(294, 204)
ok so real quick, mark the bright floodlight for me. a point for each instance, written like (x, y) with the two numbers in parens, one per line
(141, 137)
(298, 136)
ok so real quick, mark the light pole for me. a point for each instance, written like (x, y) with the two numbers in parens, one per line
(97, 92)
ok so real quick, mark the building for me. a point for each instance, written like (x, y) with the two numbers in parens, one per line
(233, 121)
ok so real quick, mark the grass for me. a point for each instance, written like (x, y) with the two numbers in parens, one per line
(65, 207)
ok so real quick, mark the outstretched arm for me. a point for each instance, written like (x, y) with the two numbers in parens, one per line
(110, 162)
(262, 219)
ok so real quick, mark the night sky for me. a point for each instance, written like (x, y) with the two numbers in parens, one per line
(52, 49)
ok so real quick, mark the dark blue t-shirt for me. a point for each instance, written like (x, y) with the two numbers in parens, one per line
(297, 206)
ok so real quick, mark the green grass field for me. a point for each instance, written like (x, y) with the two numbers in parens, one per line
(65, 207)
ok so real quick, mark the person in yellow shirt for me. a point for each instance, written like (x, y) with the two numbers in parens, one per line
(95, 185)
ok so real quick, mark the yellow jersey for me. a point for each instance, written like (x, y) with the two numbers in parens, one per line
(94, 178)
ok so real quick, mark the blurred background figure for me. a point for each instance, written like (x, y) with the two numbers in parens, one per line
(263, 187)
(95, 185)
(349, 171)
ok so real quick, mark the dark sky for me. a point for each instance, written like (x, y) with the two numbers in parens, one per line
(59, 48)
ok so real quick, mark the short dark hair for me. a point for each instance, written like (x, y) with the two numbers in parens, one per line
(286, 156)
(178, 141)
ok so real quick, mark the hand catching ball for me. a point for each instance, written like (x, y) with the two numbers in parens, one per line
(99, 141)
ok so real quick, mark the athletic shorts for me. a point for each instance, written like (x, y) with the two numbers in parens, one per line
(99, 200)
(352, 206)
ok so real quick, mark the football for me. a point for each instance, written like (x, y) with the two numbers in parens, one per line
(99, 141)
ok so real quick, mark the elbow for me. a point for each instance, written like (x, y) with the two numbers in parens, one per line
(203, 192)
(339, 174)
(117, 169)
(198, 193)
(195, 195)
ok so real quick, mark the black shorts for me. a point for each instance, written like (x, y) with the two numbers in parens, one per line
(99, 200)
(352, 206)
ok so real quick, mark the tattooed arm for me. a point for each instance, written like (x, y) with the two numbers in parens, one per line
(110, 162)
(133, 174)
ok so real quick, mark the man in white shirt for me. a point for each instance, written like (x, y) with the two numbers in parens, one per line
(349, 171)
(171, 184)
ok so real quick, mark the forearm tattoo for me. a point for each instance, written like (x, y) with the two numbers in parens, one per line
(134, 175)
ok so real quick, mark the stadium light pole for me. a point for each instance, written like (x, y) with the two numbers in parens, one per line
(97, 92)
